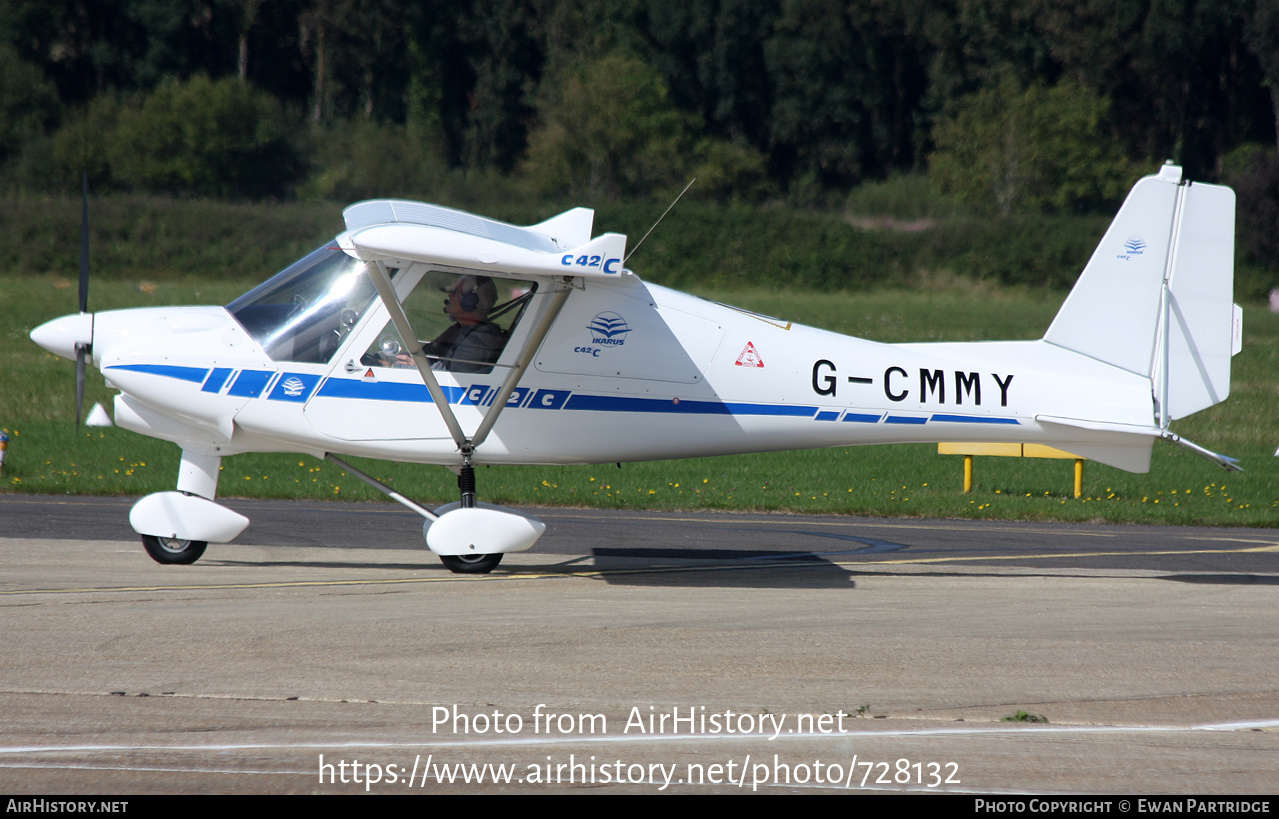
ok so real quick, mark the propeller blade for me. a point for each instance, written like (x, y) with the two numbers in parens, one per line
(84, 249)
(79, 383)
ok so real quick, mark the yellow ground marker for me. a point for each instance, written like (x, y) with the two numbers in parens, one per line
(1011, 451)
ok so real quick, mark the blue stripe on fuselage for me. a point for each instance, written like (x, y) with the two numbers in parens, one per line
(250, 383)
(386, 391)
(972, 419)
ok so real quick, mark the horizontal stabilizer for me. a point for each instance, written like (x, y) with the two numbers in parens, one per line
(1122, 446)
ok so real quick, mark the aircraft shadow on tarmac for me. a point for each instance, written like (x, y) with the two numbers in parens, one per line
(1226, 579)
(719, 568)
(642, 567)
(743, 568)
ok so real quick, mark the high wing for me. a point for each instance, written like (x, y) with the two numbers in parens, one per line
(432, 234)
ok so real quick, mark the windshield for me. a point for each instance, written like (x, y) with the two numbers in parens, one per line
(303, 313)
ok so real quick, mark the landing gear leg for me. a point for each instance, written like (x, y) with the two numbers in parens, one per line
(469, 564)
(197, 476)
(466, 483)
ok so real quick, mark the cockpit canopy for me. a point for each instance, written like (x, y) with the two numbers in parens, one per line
(303, 312)
(462, 319)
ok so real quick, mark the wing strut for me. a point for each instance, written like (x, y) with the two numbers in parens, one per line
(377, 272)
(521, 364)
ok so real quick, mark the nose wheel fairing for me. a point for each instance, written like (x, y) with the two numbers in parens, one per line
(176, 515)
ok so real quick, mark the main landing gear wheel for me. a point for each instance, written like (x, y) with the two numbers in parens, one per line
(175, 551)
(470, 564)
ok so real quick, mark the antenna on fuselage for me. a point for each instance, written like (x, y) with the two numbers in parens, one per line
(659, 220)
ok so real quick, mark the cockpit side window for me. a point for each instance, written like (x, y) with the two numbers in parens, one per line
(302, 313)
(463, 321)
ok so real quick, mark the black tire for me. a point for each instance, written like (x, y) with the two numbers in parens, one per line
(173, 551)
(471, 564)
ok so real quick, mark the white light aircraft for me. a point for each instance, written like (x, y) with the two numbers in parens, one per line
(550, 351)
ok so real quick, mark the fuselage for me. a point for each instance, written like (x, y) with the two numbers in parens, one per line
(629, 371)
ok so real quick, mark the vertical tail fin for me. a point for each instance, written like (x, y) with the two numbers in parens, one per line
(1156, 297)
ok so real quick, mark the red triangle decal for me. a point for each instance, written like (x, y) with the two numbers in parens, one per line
(749, 357)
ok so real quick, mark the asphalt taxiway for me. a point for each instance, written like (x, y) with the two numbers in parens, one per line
(783, 652)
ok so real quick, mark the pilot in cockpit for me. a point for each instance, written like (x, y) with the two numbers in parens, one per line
(470, 333)
(472, 343)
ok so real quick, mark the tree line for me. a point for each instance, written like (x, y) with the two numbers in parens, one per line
(1009, 104)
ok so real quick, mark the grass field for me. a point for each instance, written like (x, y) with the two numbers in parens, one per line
(47, 455)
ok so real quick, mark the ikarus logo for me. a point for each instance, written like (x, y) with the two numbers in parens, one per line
(608, 330)
(293, 387)
(1134, 246)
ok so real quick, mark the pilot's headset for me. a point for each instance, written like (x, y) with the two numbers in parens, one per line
(470, 300)
(483, 294)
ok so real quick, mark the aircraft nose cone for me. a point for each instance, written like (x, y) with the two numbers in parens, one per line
(61, 335)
